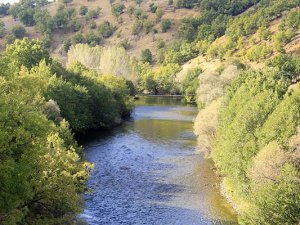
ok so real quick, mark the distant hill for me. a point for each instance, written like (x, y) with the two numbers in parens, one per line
(123, 32)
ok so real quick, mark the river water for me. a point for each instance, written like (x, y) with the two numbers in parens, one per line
(148, 171)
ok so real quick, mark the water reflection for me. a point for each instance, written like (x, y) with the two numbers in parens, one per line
(147, 171)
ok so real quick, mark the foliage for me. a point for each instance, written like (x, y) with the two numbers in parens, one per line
(61, 18)
(145, 80)
(76, 25)
(4, 9)
(2, 29)
(18, 31)
(117, 9)
(24, 52)
(83, 10)
(121, 92)
(137, 27)
(93, 13)
(164, 77)
(108, 60)
(288, 64)
(152, 7)
(165, 25)
(159, 13)
(42, 175)
(43, 20)
(146, 56)
(190, 84)
(206, 124)
(106, 29)
(252, 146)
(185, 3)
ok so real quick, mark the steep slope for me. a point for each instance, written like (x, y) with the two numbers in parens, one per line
(123, 25)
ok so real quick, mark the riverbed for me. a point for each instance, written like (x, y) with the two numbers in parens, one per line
(149, 171)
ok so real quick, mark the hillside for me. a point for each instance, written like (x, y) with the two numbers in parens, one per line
(123, 25)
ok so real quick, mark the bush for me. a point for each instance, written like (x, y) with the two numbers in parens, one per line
(66, 1)
(27, 16)
(146, 56)
(4, 9)
(76, 25)
(152, 7)
(185, 4)
(93, 13)
(125, 44)
(93, 25)
(148, 25)
(2, 29)
(165, 25)
(61, 18)
(159, 13)
(117, 9)
(106, 29)
(18, 31)
(83, 10)
(137, 27)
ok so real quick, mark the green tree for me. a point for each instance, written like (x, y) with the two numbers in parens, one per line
(164, 78)
(24, 52)
(4, 9)
(106, 29)
(165, 25)
(159, 13)
(61, 18)
(43, 21)
(18, 31)
(146, 56)
(117, 9)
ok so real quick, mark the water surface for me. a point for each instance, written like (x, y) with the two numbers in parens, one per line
(148, 171)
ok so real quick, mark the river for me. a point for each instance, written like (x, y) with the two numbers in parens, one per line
(148, 171)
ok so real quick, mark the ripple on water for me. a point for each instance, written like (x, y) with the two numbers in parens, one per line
(148, 172)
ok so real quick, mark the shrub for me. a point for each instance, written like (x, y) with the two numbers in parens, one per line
(190, 84)
(83, 10)
(185, 4)
(93, 25)
(148, 25)
(146, 56)
(106, 29)
(2, 29)
(137, 27)
(159, 13)
(18, 31)
(165, 25)
(4, 9)
(152, 7)
(117, 9)
(93, 13)
(76, 25)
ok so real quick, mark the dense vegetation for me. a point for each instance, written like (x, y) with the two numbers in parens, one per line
(42, 104)
(256, 147)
